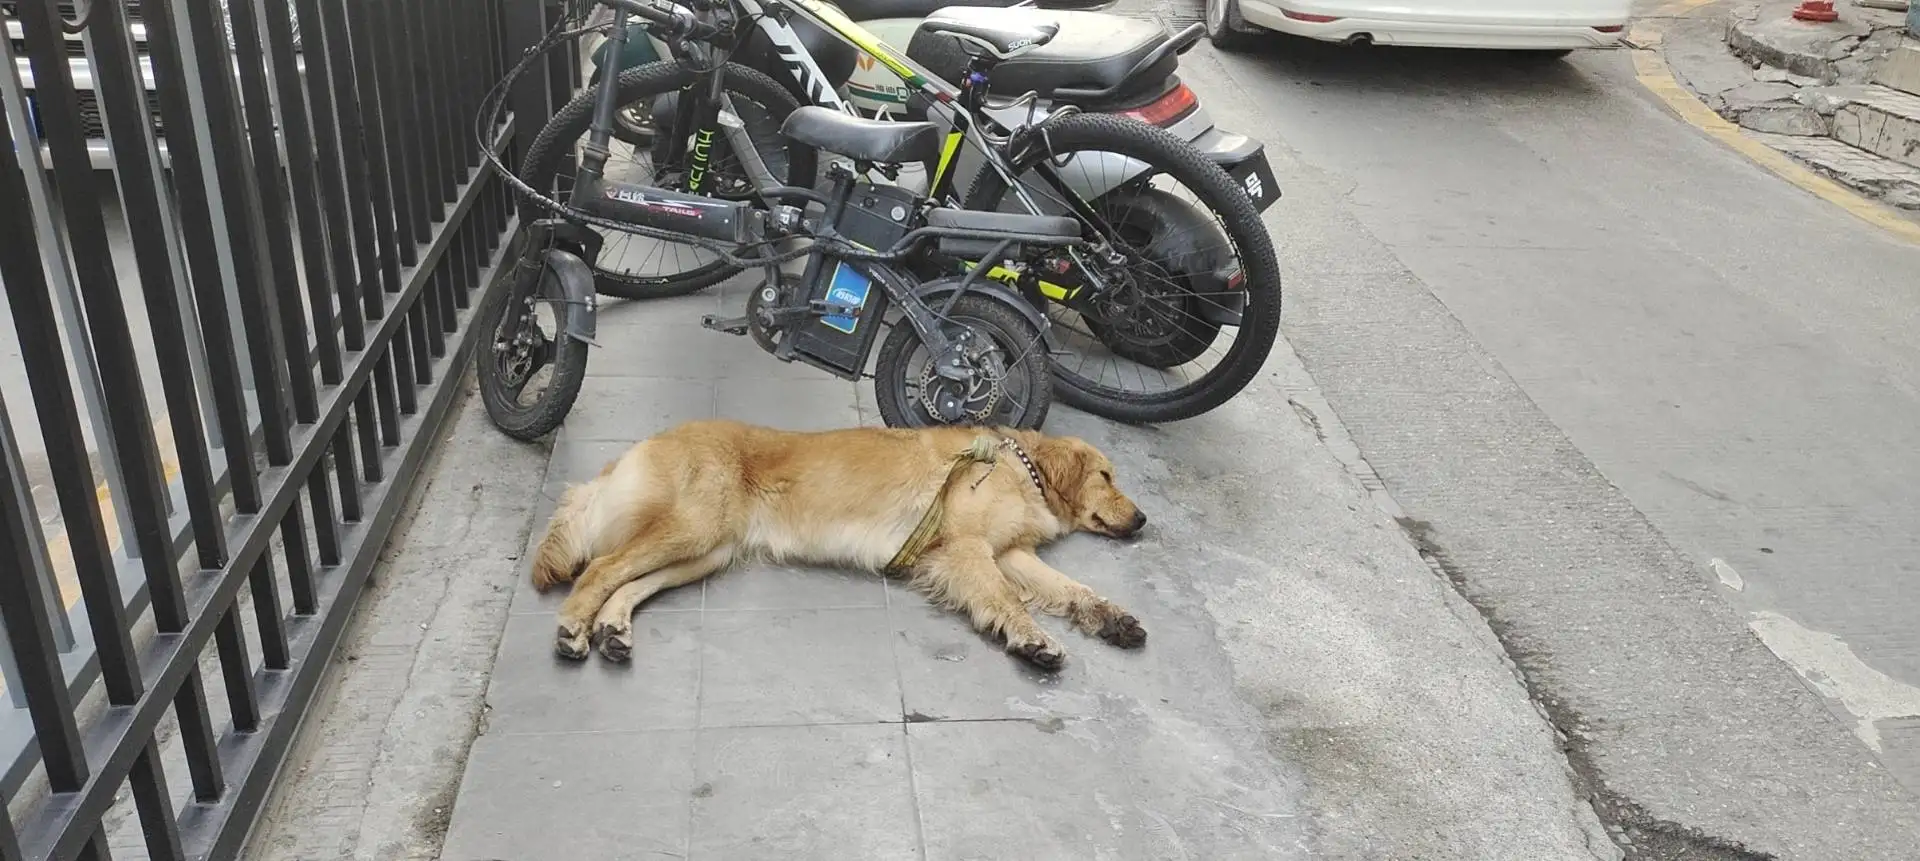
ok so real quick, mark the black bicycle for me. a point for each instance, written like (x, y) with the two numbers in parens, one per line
(966, 349)
(1168, 311)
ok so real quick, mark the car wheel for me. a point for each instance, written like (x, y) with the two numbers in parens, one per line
(1225, 28)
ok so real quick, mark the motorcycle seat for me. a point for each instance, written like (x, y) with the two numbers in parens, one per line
(1001, 40)
(879, 141)
(875, 10)
(1091, 51)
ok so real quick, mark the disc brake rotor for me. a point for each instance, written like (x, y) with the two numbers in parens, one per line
(973, 397)
(526, 351)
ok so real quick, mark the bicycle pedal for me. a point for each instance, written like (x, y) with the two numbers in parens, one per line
(729, 325)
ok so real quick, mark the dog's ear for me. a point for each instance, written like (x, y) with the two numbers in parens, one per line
(1064, 464)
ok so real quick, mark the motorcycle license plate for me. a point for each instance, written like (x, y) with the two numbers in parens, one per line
(1255, 177)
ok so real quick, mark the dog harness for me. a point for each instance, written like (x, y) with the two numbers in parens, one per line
(985, 449)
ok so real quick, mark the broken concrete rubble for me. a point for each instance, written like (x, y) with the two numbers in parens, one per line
(1839, 52)
(1768, 106)
(1839, 97)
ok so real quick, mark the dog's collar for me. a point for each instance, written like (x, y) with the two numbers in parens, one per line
(985, 454)
(1033, 472)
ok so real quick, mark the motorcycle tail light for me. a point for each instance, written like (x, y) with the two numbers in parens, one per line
(1168, 109)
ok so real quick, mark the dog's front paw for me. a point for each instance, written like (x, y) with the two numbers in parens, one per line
(616, 643)
(570, 644)
(1124, 631)
(1046, 656)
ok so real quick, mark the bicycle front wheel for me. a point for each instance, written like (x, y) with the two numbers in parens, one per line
(1155, 328)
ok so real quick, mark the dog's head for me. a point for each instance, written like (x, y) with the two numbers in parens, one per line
(1079, 480)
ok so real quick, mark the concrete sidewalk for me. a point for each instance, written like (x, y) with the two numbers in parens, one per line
(1310, 687)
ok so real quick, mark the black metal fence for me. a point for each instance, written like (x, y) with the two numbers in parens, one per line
(237, 347)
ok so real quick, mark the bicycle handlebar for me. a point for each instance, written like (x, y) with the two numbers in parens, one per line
(677, 25)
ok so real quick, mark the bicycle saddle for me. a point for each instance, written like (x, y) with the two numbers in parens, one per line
(1003, 40)
(1092, 51)
(879, 141)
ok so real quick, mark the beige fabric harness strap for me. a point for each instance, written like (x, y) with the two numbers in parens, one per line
(985, 449)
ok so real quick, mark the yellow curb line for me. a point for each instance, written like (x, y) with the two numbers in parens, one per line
(1652, 72)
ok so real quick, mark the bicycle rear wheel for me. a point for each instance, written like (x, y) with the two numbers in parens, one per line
(1157, 333)
(639, 267)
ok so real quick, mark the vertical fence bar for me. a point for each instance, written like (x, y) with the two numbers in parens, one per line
(522, 24)
(276, 301)
(464, 52)
(347, 478)
(24, 609)
(9, 839)
(42, 570)
(53, 248)
(308, 196)
(197, 220)
(389, 48)
(123, 100)
(377, 138)
(324, 53)
(150, 799)
(403, 367)
(230, 644)
(299, 565)
(128, 421)
(369, 218)
(45, 361)
(416, 22)
(240, 210)
(269, 618)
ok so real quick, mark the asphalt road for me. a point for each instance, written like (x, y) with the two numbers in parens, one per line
(1642, 400)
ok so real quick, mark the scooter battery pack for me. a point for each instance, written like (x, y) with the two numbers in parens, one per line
(875, 218)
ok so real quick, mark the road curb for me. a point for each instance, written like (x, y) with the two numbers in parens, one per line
(1647, 37)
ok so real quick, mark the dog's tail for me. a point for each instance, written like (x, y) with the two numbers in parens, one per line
(567, 545)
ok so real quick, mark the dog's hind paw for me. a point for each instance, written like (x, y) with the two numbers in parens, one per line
(569, 645)
(1124, 632)
(614, 644)
(1046, 656)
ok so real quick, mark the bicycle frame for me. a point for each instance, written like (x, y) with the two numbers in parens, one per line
(948, 104)
(959, 110)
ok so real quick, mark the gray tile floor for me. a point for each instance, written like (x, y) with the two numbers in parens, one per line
(786, 713)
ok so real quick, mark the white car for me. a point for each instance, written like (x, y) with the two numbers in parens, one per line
(1541, 28)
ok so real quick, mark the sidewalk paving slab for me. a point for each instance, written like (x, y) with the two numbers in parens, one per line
(794, 713)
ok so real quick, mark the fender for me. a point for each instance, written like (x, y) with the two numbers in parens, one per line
(575, 282)
(934, 293)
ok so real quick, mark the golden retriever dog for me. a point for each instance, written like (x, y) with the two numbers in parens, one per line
(688, 502)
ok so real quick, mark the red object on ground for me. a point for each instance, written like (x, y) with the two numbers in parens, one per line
(1816, 10)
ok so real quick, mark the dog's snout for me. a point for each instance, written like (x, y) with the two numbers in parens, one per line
(1139, 521)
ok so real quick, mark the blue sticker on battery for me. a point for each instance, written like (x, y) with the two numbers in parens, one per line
(848, 290)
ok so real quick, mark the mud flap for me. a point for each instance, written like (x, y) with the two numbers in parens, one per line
(1244, 159)
(565, 276)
